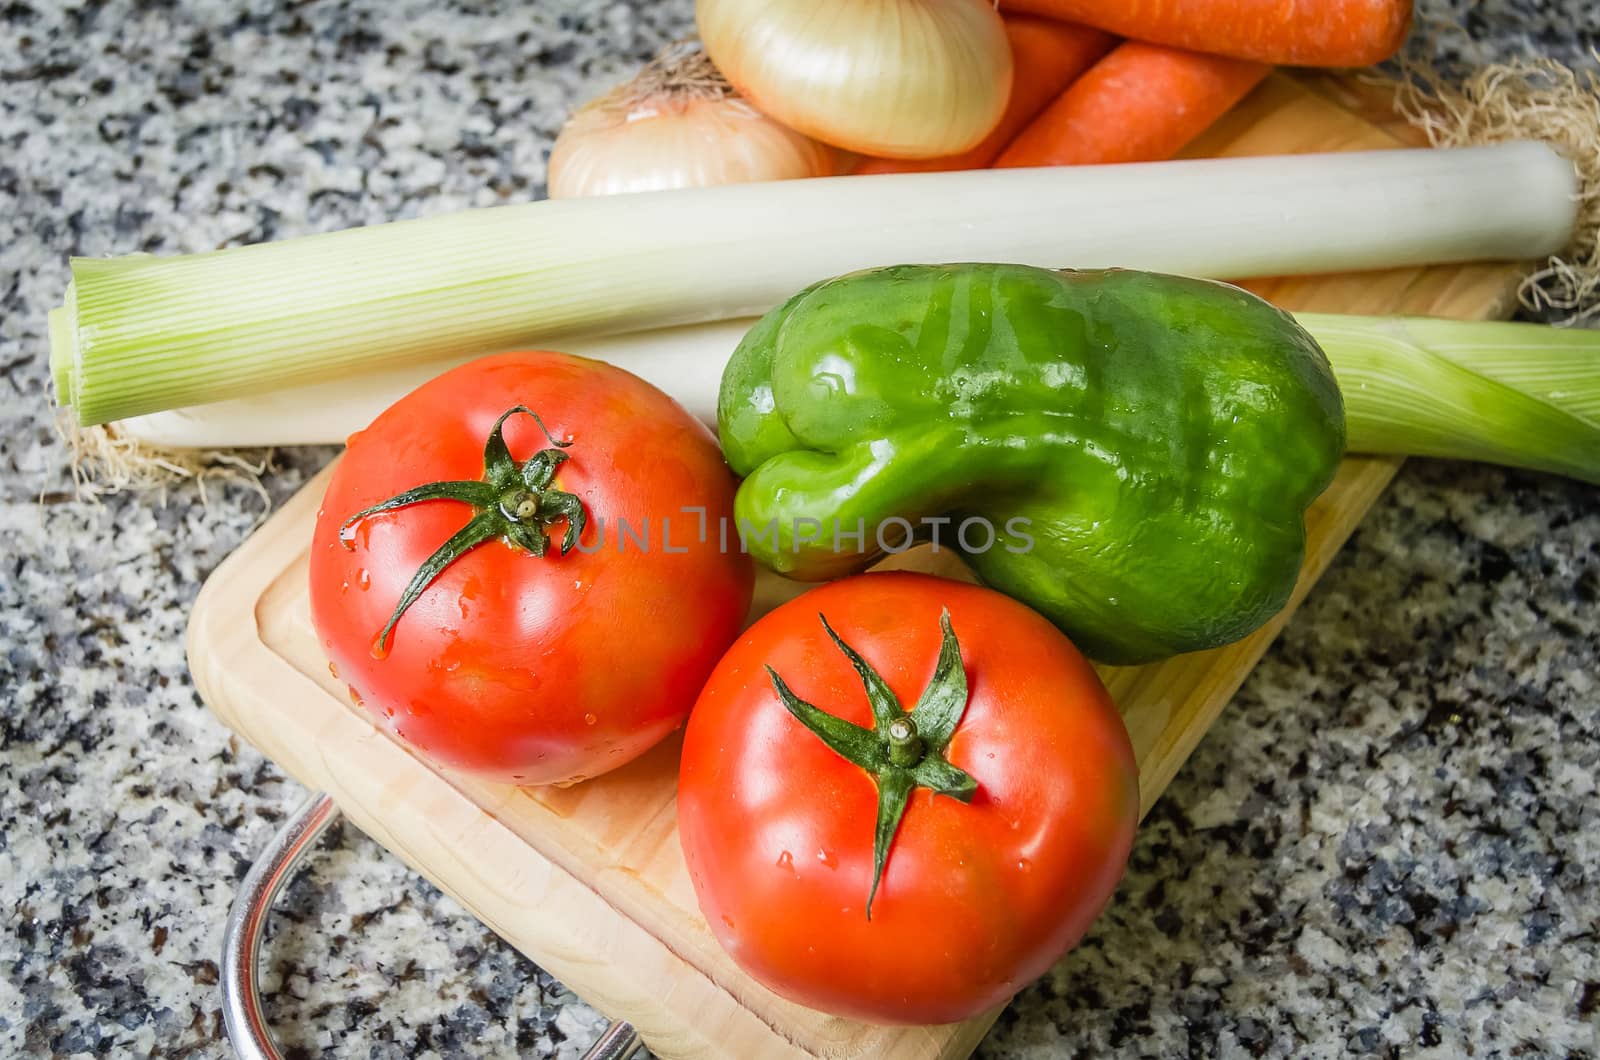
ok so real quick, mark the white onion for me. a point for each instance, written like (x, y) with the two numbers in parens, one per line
(892, 78)
(677, 125)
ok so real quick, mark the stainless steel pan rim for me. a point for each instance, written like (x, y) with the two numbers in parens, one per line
(247, 920)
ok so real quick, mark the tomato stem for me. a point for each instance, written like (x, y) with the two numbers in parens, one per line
(903, 751)
(515, 502)
(905, 745)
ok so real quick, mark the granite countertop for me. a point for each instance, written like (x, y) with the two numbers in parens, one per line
(1389, 844)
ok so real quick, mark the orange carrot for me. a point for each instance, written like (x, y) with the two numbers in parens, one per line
(1046, 56)
(1291, 32)
(1141, 103)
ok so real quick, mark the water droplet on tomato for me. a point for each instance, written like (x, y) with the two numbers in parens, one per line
(334, 670)
(344, 587)
(355, 697)
(728, 920)
(347, 537)
(363, 579)
(1023, 864)
(786, 861)
(380, 650)
(827, 858)
(589, 719)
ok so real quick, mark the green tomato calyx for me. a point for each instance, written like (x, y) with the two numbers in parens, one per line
(513, 501)
(903, 751)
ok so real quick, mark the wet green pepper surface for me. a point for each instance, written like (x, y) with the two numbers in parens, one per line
(1131, 454)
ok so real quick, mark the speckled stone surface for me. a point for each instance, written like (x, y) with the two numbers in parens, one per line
(1389, 845)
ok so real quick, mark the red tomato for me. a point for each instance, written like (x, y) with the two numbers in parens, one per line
(520, 667)
(976, 898)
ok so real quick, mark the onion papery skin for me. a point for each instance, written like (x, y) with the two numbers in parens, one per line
(663, 144)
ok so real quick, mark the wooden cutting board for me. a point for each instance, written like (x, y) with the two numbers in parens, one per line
(589, 881)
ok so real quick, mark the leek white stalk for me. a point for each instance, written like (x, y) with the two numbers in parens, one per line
(1524, 395)
(892, 78)
(140, 334)
(678, 124)
(686, 362)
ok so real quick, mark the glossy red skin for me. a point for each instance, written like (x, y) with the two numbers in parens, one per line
(976, 900)
(527, 669)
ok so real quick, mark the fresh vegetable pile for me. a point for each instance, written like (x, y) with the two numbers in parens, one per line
(1130, 454)
(901, 797)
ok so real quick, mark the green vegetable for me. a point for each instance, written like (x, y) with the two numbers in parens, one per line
(1526, 395)
(140, 333)
(1131, 454)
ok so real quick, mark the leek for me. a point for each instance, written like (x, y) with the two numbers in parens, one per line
(141, 334)
(683, 361)
(1523, 395)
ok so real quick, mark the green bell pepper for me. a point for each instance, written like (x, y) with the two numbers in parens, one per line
(1131, 454)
